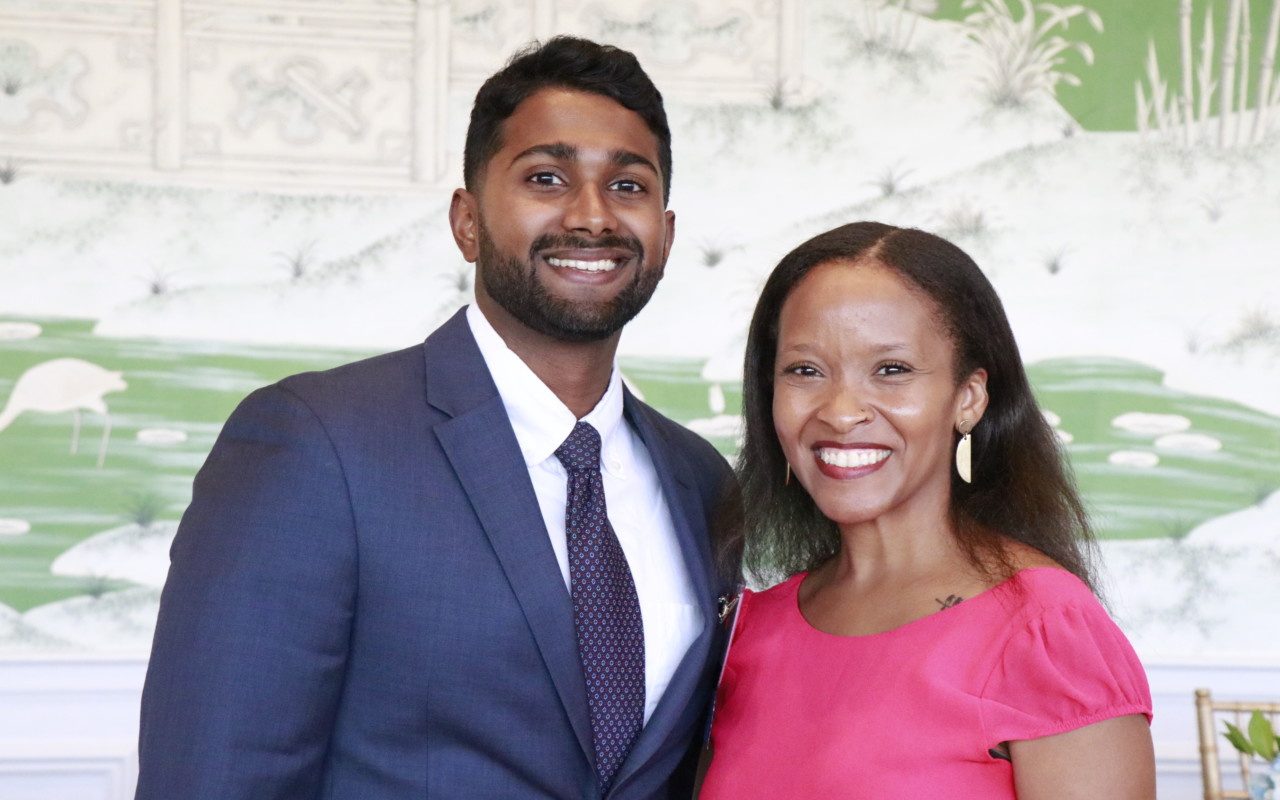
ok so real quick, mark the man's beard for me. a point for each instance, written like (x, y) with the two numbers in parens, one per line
(514, 285)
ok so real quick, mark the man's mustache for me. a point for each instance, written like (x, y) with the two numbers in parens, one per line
(568, 241)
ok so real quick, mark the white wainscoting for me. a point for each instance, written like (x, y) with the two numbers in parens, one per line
(68, 725)
(1173, 685)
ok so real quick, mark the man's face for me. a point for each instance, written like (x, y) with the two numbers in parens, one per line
(567, 224)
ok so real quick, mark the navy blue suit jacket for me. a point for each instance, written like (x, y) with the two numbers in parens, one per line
(364, 604)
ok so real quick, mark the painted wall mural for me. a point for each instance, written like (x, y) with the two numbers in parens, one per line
(198, 198)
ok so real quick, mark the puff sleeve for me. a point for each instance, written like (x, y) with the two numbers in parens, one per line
(1066, 667)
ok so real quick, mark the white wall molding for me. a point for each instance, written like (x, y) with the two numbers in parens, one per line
(69, 726)
(1173, 684)
(321, 94)
(28, 773)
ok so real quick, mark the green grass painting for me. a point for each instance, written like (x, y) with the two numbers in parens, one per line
(1153, 462)
(162, 426)
(1105, 98)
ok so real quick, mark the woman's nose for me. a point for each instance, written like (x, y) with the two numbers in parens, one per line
(843, 408)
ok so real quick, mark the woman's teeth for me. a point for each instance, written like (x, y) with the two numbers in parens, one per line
(837, 457)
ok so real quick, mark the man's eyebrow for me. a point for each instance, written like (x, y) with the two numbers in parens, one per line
(626, 158)
(567, 152)
(559, 151)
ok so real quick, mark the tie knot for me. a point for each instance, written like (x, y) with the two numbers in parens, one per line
(581, 451)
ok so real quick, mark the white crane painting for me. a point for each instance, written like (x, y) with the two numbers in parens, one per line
(61, 385)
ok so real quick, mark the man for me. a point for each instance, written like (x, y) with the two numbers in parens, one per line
(399, 578)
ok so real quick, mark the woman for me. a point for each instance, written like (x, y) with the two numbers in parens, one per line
(938, 636)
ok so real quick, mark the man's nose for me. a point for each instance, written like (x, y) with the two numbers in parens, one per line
(589, 211)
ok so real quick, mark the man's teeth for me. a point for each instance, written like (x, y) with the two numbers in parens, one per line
(599, 265)
(852, 458)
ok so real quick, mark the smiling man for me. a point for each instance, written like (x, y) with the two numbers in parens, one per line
(479, 567)
(567, 222)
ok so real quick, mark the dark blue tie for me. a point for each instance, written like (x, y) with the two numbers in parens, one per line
(606, 611)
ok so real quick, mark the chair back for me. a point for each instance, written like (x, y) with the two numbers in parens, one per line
(1211, 716)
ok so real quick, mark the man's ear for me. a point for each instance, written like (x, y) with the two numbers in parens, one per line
(669, 223)
(464, 221)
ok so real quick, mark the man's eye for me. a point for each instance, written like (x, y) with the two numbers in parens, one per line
(546, 179)
(628, 186)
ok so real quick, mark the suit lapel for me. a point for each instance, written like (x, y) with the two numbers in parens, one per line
(478, 437)
(688, 515)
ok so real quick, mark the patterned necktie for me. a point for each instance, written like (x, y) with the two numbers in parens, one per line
(606, 611)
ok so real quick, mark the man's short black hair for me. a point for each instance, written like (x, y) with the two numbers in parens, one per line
(565, 62)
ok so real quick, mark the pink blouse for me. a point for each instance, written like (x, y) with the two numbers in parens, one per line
(914, 711)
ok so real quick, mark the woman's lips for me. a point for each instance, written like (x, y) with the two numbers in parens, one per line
(845, 462)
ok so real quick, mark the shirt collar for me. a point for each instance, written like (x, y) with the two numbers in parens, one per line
(540, 421)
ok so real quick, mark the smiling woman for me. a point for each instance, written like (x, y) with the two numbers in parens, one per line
(915, 591)
(865, 390)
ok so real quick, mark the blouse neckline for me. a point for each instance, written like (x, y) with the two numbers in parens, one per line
(792, 586)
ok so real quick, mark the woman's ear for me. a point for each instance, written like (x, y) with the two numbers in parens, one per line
(464, 221)
(972, 398)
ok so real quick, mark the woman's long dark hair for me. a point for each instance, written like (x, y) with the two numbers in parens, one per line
(1022, 489)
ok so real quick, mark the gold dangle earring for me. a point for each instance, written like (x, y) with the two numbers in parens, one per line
(787, 482)
(964, 453)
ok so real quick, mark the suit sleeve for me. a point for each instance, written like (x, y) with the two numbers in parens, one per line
(251, 643)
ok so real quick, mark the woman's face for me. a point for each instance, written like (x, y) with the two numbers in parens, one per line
(865, 400)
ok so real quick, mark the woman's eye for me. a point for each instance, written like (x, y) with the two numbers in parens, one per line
(802, 370)
(893, 368)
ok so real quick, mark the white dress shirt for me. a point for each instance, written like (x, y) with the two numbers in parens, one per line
(637, 509)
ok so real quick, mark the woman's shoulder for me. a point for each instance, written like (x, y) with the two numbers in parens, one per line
(1023, 556)
(772, 599)
(1063, 663)
(1049, 586)
(788, 587)
(1036, 575)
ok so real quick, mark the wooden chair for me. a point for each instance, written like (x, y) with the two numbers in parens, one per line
(1210, 716)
